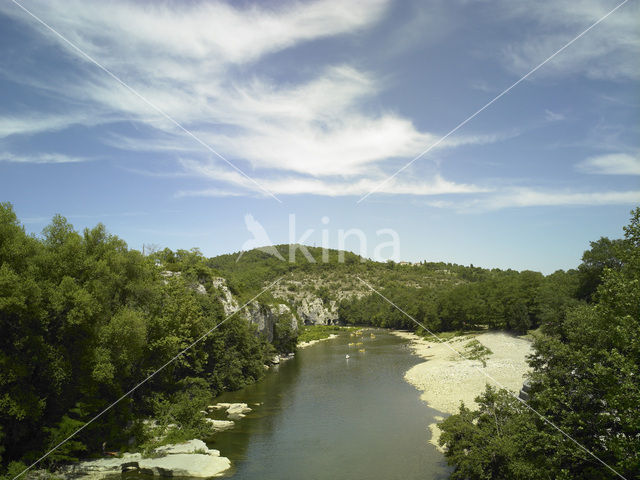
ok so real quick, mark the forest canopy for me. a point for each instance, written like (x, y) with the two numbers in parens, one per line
(85, 318)
(583, 421)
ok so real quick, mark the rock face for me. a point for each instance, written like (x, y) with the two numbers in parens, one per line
(188, 459)
(266, 316)
(229, 304)
(263, 316)
(200, 288)
(314, 312)
(169, 274)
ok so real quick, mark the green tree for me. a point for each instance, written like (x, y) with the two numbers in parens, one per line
(585, 380)
(604, 254)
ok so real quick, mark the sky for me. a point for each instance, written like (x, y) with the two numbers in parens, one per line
(186, 124)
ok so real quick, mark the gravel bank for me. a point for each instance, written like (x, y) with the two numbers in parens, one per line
(446, 379)
(313, 342)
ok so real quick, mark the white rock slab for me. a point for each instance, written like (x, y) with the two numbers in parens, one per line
(220, 425)
(186, 465)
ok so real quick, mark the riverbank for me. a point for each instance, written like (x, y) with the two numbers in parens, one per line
(313, 342)
(312, 334)
(446, 379)
(187, 459)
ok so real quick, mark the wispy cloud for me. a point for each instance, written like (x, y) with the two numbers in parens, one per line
(213, 32)
(84, 216)
(551, 116)
(301, 185)
(322, 131)
(608, 52)
(526, 197)
(209, 192)
(611, 164)
(519, 197)
(434, 186)
(319, 127)
(32, 123)
(41, 158)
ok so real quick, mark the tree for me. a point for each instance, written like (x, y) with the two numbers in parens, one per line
(604, 253)
(585, 381)
(83, 319)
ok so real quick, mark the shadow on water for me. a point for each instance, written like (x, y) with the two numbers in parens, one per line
(324, 416)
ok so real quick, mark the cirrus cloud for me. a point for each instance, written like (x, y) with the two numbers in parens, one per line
(611, 164)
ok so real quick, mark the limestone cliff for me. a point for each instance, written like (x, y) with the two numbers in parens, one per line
(229, 303)
(264, 316)
(313, 311)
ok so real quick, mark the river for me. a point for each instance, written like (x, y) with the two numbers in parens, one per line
(322, 416)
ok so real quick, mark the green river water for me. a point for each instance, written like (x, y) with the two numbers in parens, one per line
(322, 416)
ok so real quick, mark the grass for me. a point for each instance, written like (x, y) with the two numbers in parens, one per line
(446, 336)
(474, 350)
(532, 334)
(319, 332)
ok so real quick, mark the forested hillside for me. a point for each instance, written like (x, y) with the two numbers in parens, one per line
(442, 296)
(84, 319)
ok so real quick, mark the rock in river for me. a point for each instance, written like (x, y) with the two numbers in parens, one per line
(220, 425)
(235, 411)
(186, 465)
(188, 459)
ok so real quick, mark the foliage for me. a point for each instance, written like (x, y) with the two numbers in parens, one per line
(84, 319)
(71, 449)
(496, 299)
(604, 253)
(285, 337)
(474, 350)
(317, 332)
(585, 381)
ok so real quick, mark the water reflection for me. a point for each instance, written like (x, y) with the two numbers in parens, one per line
(324, 416)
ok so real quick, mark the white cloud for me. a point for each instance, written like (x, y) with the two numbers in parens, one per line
(608, 51)
(31, 123)
(209, 192)
(314, 135)
(612, 164)
(551, 116)
(317, 133)
(41, 158)
(315, 128)
(300, 185)
(518, 197)
(176, 41)
(526, 197)
(179, 60)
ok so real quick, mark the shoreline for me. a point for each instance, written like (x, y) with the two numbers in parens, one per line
(313, 342)
(445, 379)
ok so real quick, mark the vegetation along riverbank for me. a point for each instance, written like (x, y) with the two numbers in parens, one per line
(84, 318)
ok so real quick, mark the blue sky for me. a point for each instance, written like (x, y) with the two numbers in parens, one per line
(317, 104)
